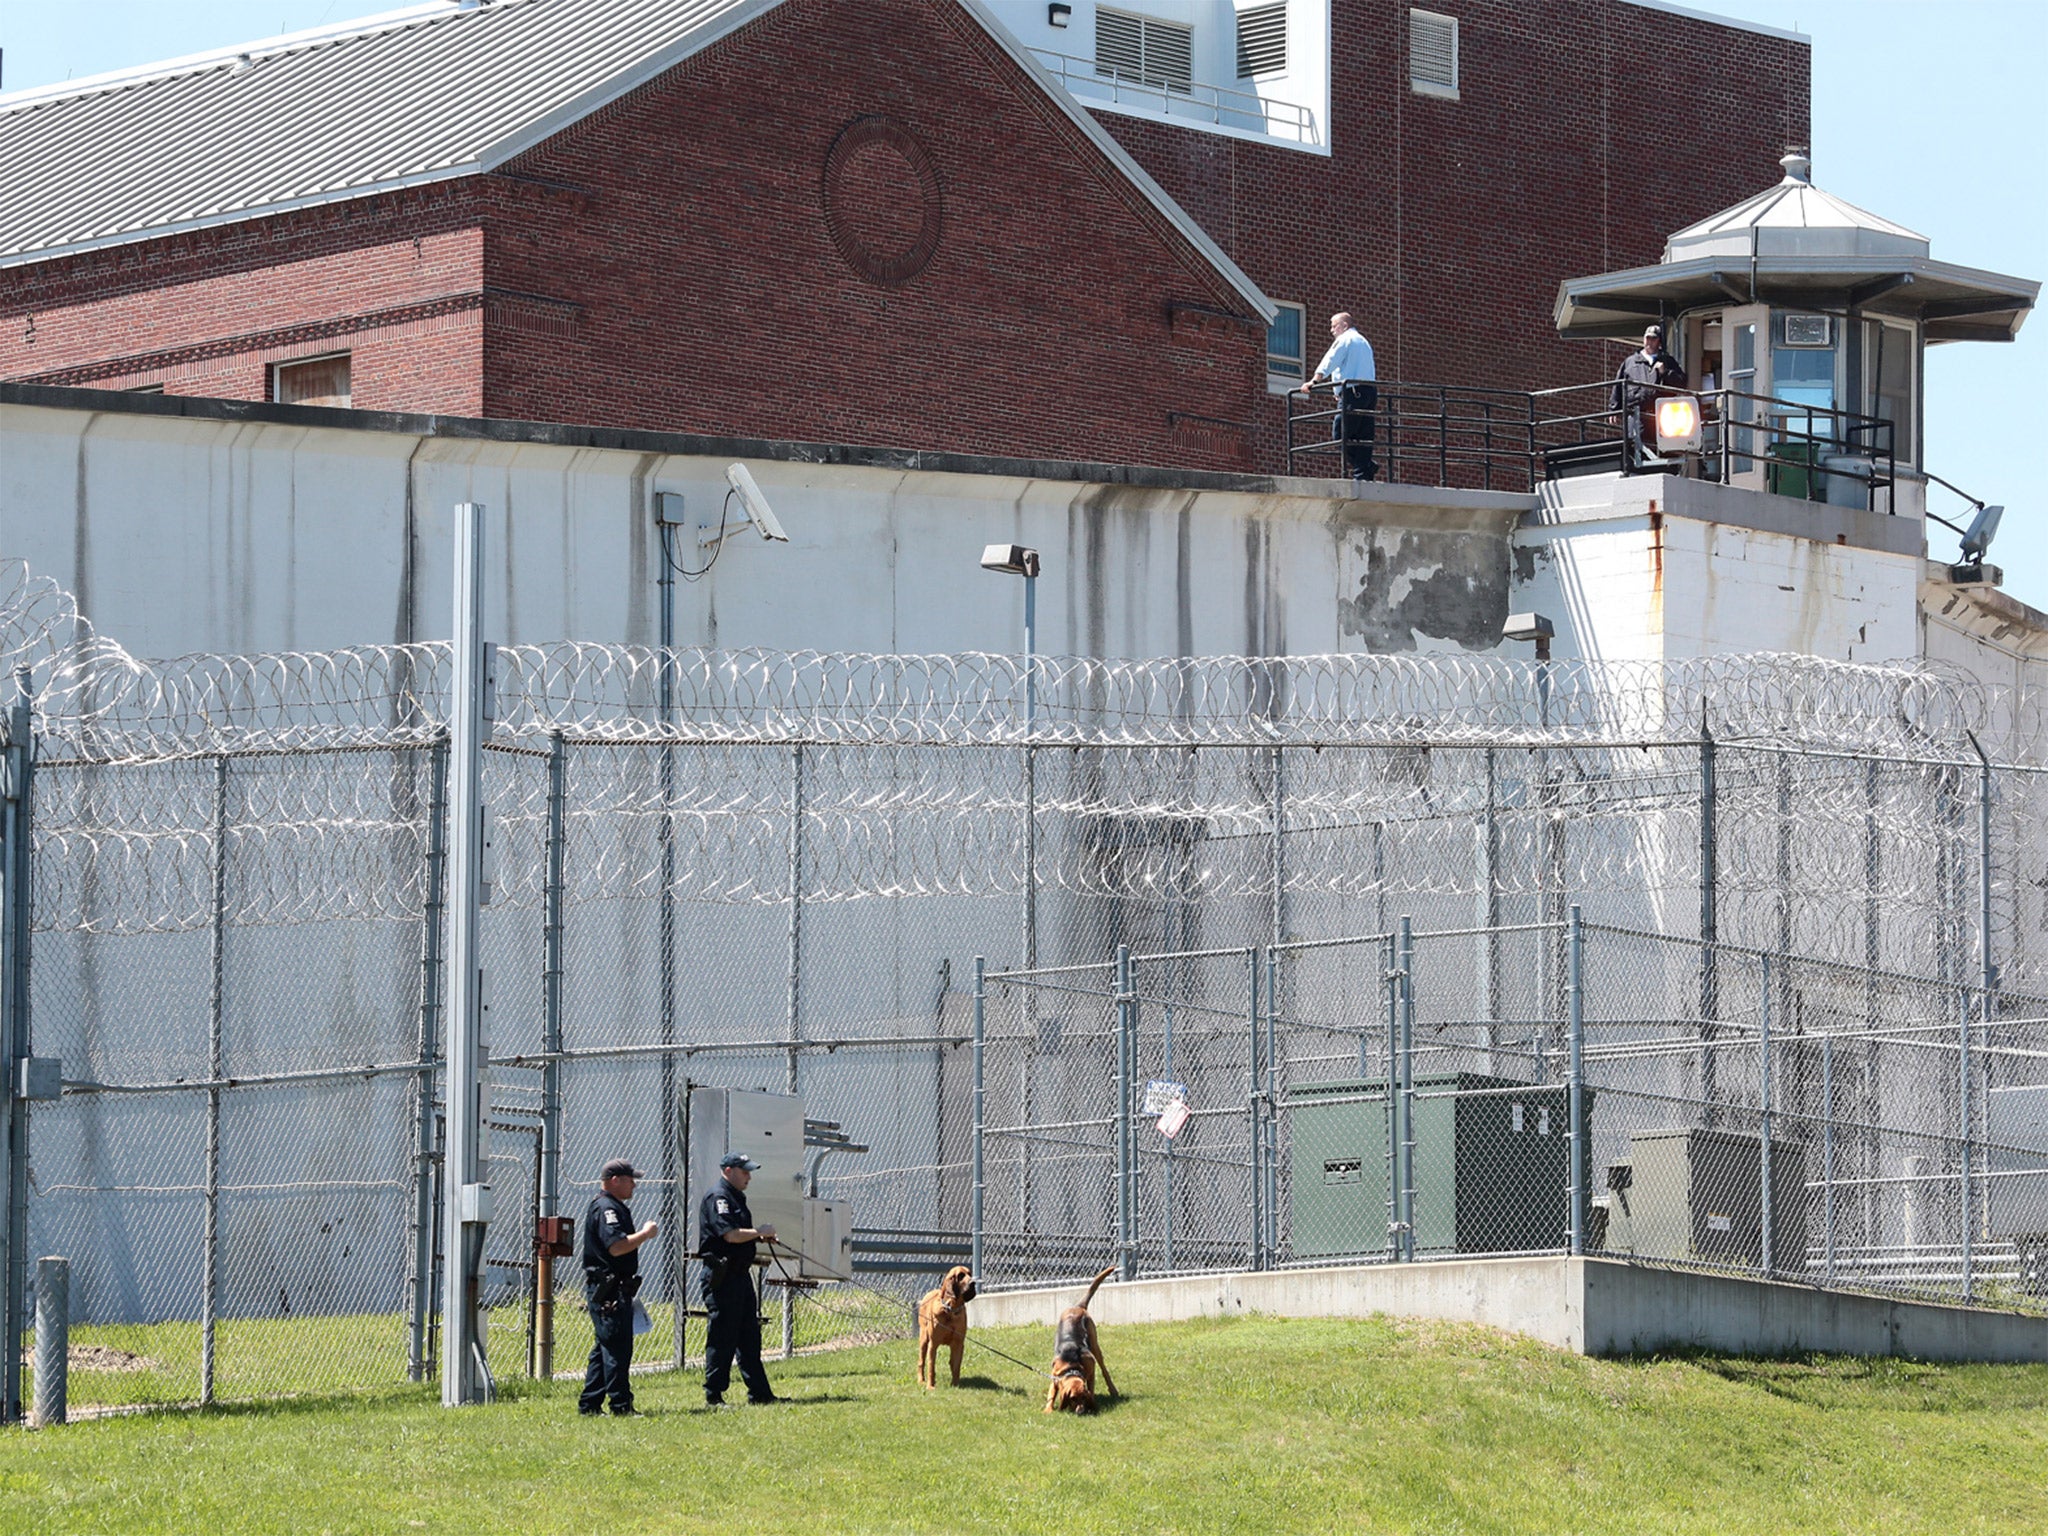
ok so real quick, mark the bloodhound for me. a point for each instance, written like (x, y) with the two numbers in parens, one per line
(942, 1324)
(1076, 1353)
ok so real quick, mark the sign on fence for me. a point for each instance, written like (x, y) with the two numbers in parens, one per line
(1160, 1094)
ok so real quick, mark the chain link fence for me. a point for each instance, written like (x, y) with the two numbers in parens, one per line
(230, 922)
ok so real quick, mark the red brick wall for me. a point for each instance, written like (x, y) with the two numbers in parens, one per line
(717, 296)
(396, 280)
(1586, 131)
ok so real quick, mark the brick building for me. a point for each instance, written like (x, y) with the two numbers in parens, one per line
(912, 223)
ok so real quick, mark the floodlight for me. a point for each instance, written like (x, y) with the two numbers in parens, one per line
(1010, 559)
(1527, 626)
(1678, 424)
(765, 521)
(1982, 530)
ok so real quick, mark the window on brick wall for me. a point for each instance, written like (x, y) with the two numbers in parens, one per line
(144, 389)
(1285, 355)
(1433, 54)
(1262, 40)
(1145, 49)
(311, 381)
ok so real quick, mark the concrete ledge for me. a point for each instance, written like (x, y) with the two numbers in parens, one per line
(1588, 1306)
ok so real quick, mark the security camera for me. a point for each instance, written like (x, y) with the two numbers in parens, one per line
(765, 521)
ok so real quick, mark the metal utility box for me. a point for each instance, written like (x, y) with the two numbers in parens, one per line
(2016, 1158)
(769, 1128)
(1491, 1171)
(1696, 1196)
(827, 1241)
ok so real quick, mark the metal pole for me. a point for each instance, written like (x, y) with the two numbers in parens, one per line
(1576, 1175)
(1258, 1256)
(53, 1341)
(1272, 1106)
(1710, 930)
(796, 909)
(1987, 964)
(1407, 1089)
(1963, 1106)
(1764, 1103)
(432, 915)
(548, 1180)
(1490, 917)
(1125, 1004)
(1827, 1157)
(1391, 970)
(16, 784)
(670, 1269)
(465, 1373)
(1166, 1169)
(975, 1255)
(216, 1070)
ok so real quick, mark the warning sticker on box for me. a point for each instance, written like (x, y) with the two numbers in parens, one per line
(1174, 1119)
(1719, 1223)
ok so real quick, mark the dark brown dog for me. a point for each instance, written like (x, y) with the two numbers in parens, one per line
(1076, 1353)
(942, 1324)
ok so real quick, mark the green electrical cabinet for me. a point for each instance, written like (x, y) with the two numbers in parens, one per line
(1491, 1174)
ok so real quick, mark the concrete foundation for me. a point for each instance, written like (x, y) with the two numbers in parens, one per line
(1588, 1306)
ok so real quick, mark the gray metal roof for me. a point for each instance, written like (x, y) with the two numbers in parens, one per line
(440, 90)
(1794, 218)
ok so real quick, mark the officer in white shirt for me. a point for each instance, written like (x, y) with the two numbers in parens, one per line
(1349, 367)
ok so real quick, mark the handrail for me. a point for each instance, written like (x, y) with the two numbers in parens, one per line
(1278, 119)
(1437, 434)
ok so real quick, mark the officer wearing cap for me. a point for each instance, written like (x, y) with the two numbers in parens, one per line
(1643, 377)
(726, 1239)
(611, 1276)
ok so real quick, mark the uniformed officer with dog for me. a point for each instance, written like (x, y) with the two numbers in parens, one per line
(726, 1242)
(611, 1278)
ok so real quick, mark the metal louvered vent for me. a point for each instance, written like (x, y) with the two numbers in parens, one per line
(1433, 52)
(1140, 48)
(1262, 40)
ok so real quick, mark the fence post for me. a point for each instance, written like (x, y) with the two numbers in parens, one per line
(1391, 972)
(1272, 1104)
(427, 1050)
(1827, 1157)
(1490, 917)
(1166, 1155)
(796, 908)
(53, 1341)
(548, 1186)
(1407, 1090)
(216, 1071)
(1577, 1089)
(1710, 931)
(1126, 1141)
(1764, 1120)
(1963, 1115)
(17, 772)
(1258, 1243)
(975, 1252)
(465, 1372)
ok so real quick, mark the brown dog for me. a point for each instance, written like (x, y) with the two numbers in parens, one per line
(1076, 1353)
(942, 1324)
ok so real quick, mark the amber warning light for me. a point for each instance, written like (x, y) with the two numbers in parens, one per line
(1678, 424)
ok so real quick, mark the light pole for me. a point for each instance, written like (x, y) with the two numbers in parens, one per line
(1550, 878)
(1016, 560)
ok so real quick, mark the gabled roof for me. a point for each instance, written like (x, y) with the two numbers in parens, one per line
(442, 90)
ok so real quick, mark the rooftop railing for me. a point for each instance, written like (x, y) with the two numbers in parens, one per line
(1515, 440)
(1197, 101)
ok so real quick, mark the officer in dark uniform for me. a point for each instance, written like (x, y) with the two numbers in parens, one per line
(726, 1239)
(611, 1276)
(1644, 378)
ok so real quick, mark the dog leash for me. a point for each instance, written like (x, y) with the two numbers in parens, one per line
(776, 1250)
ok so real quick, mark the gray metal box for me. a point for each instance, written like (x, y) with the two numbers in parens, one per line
(769, 1128)
(2016, 1160)
(1696, 1197)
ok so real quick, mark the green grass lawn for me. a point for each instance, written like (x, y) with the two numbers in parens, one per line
(1254, 1424)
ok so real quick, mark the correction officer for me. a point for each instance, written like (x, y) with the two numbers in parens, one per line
(726, 1241)
(611, 1277)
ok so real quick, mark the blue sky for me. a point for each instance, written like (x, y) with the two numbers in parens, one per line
(1924, 111)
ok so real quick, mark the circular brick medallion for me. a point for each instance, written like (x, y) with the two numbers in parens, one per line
(882, 200)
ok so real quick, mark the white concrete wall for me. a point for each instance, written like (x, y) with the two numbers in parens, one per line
(180, 535)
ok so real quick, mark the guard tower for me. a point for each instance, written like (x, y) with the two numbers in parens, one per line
(1813, 316)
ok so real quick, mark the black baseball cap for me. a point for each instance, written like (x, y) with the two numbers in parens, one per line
(620, 1168)
(738, 1160)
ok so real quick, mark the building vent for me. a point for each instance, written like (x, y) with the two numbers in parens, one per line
(1141, 48)
(1433, 53)
(1262, 40)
